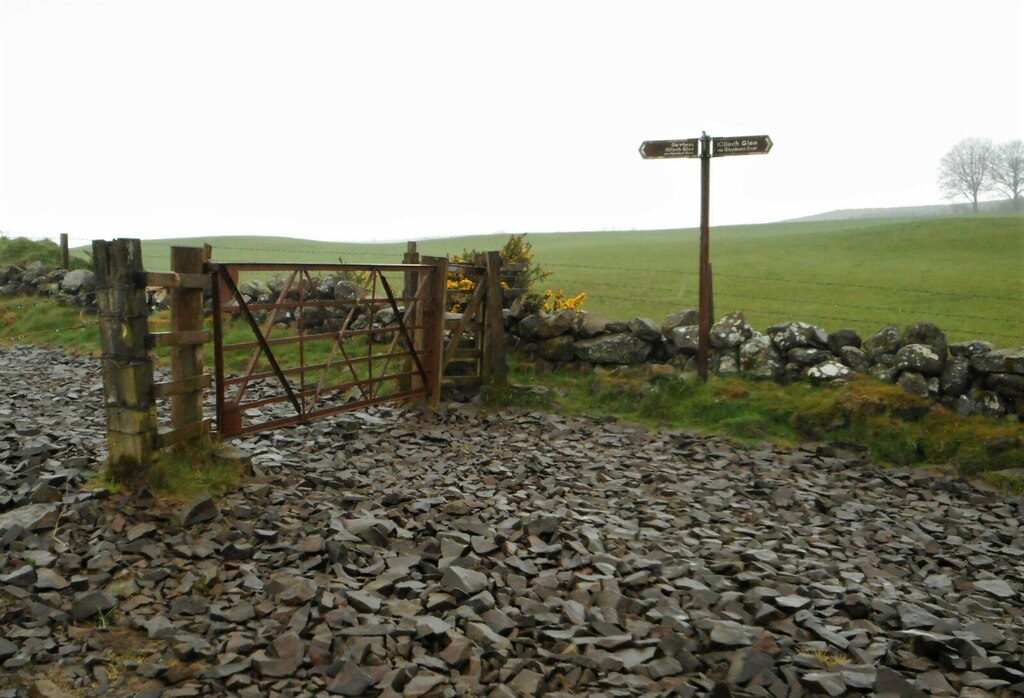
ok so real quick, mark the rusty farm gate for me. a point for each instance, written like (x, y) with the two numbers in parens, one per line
(289, 342)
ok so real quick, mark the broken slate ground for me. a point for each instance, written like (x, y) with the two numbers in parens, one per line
(504, 554)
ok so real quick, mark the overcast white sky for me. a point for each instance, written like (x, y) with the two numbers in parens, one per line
(386, 120)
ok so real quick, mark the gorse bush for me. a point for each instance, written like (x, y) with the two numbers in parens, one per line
(555, 301)
(520, 271)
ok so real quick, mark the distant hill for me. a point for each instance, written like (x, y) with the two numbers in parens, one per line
(1002, 206)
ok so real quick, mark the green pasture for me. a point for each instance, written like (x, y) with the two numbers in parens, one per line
(965, 274)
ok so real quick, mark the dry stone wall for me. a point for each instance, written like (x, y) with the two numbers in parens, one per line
(970, 377)
(76, 287)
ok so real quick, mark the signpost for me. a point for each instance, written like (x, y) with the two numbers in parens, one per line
(669, 149)
(709, 148)
(743, 145)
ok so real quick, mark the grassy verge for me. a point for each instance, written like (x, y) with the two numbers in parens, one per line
(894, 427)
(47, 323)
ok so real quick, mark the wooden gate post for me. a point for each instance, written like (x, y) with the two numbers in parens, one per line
(435, 305)
(494, 369)
(187, 348)
(127, 369)
(411, 283)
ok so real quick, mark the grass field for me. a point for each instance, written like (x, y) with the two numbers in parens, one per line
(965, 274)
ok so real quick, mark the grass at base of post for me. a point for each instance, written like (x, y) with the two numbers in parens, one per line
(182, 472)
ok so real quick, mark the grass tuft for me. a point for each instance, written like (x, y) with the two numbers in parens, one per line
(181, 473)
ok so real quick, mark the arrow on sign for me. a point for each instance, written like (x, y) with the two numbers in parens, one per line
(670, 149)
(741, 145)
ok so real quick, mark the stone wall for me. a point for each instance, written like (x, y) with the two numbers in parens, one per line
(969, 377)
(76, 287)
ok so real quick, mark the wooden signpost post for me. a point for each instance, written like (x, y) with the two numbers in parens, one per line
(709, 148)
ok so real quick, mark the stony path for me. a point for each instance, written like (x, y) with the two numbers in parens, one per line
(500, 554)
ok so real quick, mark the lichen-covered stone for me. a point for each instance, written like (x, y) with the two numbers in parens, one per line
(919, 358)
(829, 372)
(760, 359)
(928, 334)
(621, 348)
(790, 335)
(685, 338)
(681, 318)
(558, 349)
(1000, 361)
(731, 331)
(809, 356)
(956, 376)
(590, 324)
(646, 329)
(971, 348)
(854, 358)
(844, 338)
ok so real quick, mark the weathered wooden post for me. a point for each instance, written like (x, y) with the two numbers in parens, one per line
(127, 369)
(65, 253)
(495, 368)
(188, 339)
(411, 284)
(705, 148)
(434, 306)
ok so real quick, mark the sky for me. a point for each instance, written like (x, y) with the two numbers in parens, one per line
(366, 121)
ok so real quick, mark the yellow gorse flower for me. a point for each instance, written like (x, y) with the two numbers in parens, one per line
(555, 301)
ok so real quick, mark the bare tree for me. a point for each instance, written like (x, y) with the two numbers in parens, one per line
(1008, 170)
(966, 170)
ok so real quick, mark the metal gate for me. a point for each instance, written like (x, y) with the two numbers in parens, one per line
(304, 347)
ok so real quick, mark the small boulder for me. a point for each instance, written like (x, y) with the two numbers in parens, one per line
(558, 349)
(760, 359)
(591, 324)
(808, 356)
(78, 281)
(885, 341)
(928, 334)
(914, 383)
(731, 331)
(790, 335)
(829, 372)
(621, 348)
(681, 318)
(970, 349)
(956, 376)
(685, 338)
(920, 358)
(854, 358)
(1000, 361)
(646, 329)
(844, 338)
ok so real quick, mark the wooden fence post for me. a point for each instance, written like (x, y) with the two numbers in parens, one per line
(127, 369)
(65, 253)
(495, 368)
(434, 308)
(187, 351)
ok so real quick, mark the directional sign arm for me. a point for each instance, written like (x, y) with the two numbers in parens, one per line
(741, 145)
(655, 150)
